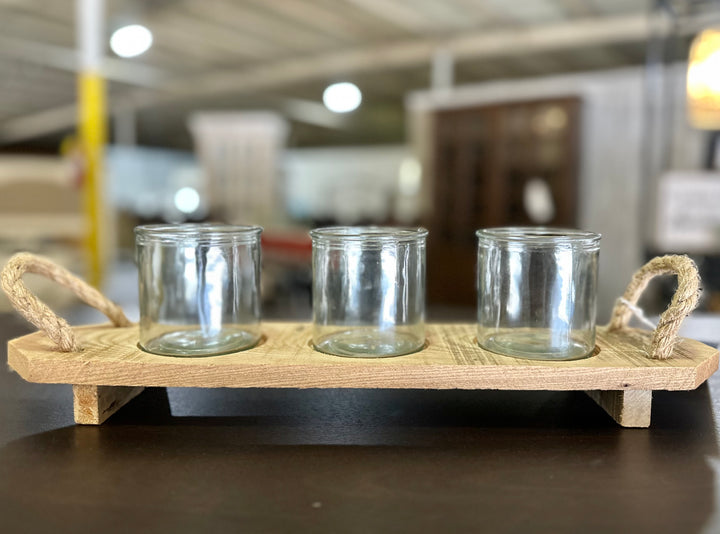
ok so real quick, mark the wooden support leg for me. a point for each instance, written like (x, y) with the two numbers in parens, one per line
(94, 404)
(630, 408)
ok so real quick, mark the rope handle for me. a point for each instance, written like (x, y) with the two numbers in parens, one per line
(684, 301)
(38, 313)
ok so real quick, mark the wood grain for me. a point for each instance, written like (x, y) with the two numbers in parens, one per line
(92, 405)
(285, 359)
(629, 408)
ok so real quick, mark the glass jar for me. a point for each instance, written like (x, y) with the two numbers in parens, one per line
(199, 288)
(368, 290)
(537, 292)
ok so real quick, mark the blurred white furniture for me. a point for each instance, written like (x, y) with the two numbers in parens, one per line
(41, 211)
(241, 153)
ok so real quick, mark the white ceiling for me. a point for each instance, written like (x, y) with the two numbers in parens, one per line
(280, 54)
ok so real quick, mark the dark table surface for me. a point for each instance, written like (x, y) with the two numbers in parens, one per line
(190, 460)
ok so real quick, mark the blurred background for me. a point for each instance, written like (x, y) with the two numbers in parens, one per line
(451, 114)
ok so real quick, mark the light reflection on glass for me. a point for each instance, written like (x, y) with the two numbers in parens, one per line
(562, 298)
(212, 271)
(515, 272)
(390, 308)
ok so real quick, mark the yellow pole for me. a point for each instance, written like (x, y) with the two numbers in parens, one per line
(92, 134)
(92, 129)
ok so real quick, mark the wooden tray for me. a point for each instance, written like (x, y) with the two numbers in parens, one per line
(107, 369)
(620, 376)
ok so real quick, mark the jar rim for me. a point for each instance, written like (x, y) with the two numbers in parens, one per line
(368, 234)
(539, 235)
(197, 232)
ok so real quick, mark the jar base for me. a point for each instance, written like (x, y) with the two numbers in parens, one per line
(535, 346)
(197, 343)
(368, 343)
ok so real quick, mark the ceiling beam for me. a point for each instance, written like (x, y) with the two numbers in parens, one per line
(311, 112)
(64, 117)
(66, 59)
(475, 45)
(399, 15)
(320, 18)
(38, 124)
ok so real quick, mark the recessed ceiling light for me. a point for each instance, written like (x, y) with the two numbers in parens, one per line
(131, 41)
(187, 200)
(342, 97)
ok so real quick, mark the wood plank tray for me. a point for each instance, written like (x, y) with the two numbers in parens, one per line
(107, 369)
(620, 376)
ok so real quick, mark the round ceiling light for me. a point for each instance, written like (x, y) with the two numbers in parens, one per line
(342, 97)
(187, 200)
(131, 41)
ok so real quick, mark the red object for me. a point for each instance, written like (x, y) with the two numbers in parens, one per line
(292, 246)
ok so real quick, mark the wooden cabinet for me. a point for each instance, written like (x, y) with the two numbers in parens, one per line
(484, 159)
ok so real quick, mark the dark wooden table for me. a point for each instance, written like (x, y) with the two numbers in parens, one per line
(186, 460)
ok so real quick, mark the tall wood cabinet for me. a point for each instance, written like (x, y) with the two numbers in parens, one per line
(484, 158)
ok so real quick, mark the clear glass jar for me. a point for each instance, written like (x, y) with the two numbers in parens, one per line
(537, 292)
(199, 288)
(368, 290)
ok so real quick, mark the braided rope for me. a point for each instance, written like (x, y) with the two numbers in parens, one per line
(38, 313)
(684, 301)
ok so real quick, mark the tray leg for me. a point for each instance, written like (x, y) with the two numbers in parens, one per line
(630, 408)
(94, 404)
